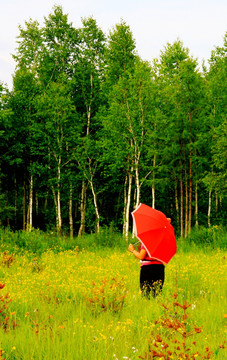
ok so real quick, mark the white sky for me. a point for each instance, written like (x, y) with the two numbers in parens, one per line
(199, 24)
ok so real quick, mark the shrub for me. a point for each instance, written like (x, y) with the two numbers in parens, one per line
(37, 242)
(108, 295)
(174, 335)
(215, 237)
(6, 317)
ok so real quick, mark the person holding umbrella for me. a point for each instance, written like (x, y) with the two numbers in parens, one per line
(157, 247)
(152, 272)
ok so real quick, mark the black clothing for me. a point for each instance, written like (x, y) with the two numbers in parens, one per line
(152, 279)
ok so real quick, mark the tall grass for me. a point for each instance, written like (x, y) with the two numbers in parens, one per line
(213, 237)
(37, 241)
(84, 302)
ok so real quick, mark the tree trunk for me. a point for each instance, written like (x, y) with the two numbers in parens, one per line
(83, 202)
(127, 210)
(56, 206)
(24, 206)
(59, 196)
(190, 169)
(30, 205)
(190, 196)
(153, 182)
(88, 119)
(176, 203)
(137, 187)
(186, 205)
(125, 205)
(181, 202)
(196, 205)
(96, 207)
(0, 188)
(15, 202)
(209, 207)
(46, 201)
(59, 211)
(71, 210)
(186, 195)
(89, 106)
(216, 202)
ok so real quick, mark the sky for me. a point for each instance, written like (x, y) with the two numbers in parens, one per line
(199, 24)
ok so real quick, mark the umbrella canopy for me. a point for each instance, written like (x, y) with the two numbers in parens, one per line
(155, 232)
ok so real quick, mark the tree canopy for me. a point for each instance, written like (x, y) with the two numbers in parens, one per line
(90, 130)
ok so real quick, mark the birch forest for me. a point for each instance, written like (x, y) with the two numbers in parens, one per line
(90, 130)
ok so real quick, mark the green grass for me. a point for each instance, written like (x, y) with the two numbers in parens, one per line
(90, 307)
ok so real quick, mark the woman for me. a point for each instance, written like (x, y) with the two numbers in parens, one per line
(152, 271)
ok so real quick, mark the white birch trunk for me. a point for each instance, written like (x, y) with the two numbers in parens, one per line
(59, 196)
(24, 207)
(186, 211)
(209, 207)
(56, 206)
(30, 205)
(128, 204)
(137, 187)
(15, 201)
(186, 200)
(125, 205)
(190, 197)
(176, 203)
(59, 210)
(0, 191)
(82, 209)
(88, 119)
(216, 202)
(96, 207)
(196, 205)
(71, 210)
(181, 204)
(153, 182)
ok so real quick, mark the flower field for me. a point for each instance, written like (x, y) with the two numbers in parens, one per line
(86, 305)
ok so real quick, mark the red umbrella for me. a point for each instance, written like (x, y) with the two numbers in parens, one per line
(155, 232)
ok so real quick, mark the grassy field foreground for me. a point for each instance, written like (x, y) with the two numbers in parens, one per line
(87, 306)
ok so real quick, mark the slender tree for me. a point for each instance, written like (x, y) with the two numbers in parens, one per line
(215, 178)
(90, 130)
(88, 76)
(8, 159)
(127, 123)
(181, 91)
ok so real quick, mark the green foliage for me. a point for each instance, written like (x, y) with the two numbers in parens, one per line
(120, 52)
(34, 242)
(207, 238)
(106, 238)
(90, 130)
(37, 242)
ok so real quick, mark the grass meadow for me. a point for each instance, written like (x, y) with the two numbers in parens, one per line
(82, 304)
